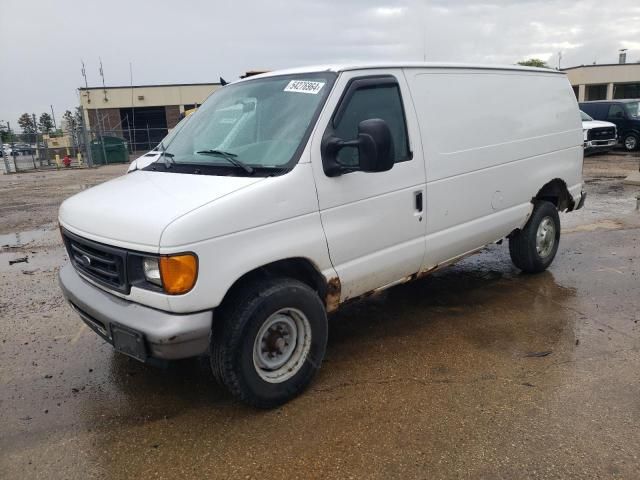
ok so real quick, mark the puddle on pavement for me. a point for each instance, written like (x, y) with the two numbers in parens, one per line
(21, 239)
(38, 262)
(41, 248)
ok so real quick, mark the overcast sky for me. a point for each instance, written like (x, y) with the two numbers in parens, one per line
(42, 42)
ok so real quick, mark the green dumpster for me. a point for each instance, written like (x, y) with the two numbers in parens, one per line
(113, 148)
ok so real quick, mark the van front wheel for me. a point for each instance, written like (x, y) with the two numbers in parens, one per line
(270, 341)
(534, 247)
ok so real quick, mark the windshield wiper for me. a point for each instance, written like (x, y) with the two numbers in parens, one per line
(228, 156)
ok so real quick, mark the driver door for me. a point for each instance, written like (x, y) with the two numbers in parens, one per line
(374, 222)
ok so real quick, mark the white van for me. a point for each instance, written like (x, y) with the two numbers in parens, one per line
(289, 193)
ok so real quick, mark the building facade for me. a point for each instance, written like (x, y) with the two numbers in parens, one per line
(141, 114)
(605, 82)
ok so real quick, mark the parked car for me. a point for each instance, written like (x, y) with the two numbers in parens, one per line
(326, 184)
(10, 150)
(598, 136)
(24, 149)
(625, 114)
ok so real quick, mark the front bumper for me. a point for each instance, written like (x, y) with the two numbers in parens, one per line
(597, 144)
(165, 335)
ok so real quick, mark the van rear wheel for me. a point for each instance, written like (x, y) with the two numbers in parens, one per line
(270, 341)
(533, 248)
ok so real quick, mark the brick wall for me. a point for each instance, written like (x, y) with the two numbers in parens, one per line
(109, 120)
(172, 113)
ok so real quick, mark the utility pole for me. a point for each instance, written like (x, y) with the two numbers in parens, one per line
(35, 136)
(4, 154)
(35, 126)
(86, 83)
(104, 88)
(53, 116)
(13, 147)
(132, 140)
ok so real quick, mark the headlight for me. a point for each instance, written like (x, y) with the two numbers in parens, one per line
(178, 273)
(151, 269)
(175, 274)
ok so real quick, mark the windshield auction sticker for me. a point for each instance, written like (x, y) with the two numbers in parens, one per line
(304, 86)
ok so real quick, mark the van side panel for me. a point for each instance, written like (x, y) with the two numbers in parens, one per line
(491, 139)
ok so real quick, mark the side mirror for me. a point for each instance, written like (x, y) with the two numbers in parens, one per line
(374, 144)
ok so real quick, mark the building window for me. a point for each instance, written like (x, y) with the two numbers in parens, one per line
(576, 91)
(596, 92)
(626, 90)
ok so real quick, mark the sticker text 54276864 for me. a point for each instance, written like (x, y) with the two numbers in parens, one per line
(304, 86)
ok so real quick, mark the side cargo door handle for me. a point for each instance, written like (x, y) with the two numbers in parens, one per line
(418, 200)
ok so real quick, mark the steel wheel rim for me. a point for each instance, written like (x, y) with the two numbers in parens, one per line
(282, 345)
(630, 142)
(545, 237)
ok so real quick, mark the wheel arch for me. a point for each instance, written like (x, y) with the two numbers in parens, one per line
(556, 192)
(299, 268)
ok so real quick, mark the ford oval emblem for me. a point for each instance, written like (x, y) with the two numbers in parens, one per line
(84, 260)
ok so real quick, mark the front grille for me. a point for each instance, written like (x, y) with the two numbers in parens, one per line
(602, 133)
(104, 264)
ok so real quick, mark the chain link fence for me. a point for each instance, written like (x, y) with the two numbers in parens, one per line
(77, 148)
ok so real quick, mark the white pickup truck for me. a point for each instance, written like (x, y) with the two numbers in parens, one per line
(289, 193)
(598, 136)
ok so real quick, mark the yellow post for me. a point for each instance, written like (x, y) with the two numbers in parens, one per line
(80, 159)
(57, 160)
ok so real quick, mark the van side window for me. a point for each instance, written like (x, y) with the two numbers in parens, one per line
(616, 112)
(377, 101)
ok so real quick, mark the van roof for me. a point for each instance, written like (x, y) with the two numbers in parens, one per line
(370, 66)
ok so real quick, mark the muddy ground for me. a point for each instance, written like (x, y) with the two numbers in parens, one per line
(476, 372)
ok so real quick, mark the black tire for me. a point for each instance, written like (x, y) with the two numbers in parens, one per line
(630, 142)
(233, 336)
(523, 245)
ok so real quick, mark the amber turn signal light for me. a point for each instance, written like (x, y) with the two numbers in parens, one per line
(178, 273)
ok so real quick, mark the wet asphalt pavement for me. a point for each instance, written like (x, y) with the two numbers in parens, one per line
(475, 372)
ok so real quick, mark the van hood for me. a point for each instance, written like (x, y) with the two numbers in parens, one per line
(132, 211)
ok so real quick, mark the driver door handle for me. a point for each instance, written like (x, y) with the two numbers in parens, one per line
(418, 200)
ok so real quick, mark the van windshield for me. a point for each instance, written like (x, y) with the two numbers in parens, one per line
(261, 124)
(633, 109)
